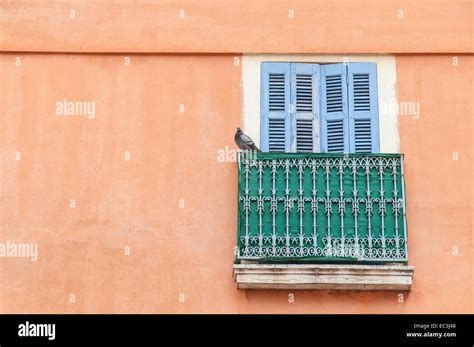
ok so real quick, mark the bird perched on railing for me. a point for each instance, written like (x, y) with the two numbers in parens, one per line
(244, 142)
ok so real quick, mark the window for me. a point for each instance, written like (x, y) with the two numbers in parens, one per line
(314, 221)
(319, 107)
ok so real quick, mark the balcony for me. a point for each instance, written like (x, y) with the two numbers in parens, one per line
(311, 217)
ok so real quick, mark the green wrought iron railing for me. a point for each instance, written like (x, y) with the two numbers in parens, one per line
(321, 207)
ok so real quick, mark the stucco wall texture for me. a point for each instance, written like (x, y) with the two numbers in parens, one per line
(156, 233)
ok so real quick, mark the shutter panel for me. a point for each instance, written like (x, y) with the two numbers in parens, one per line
(334, 108)
(274, 105)
(363, 108)
(304, 108)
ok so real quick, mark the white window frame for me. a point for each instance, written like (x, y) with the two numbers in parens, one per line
(386, 80)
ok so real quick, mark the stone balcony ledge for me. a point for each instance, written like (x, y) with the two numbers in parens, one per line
(396, 277)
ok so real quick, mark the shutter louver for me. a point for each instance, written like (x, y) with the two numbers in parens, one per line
(334, 112)
(304, 135)
(361, 92)
(276, 93)
(334, 93)
(276, 135)
(363, 108)
(335, 135)
(275, 101)
(362, 136)
(304, 93)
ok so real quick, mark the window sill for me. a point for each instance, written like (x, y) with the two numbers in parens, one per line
(324, 276)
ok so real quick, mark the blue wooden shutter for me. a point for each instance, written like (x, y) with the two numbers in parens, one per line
(363, 108)
(334, 108)
(304, 109)
(275, 103)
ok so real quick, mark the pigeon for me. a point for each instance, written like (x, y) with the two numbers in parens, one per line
(244, 142)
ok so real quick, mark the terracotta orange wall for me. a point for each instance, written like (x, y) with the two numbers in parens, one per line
(174, 156)
(439, 184)
(258, 26)
(119, 203)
